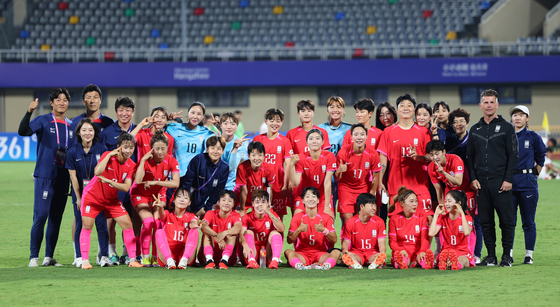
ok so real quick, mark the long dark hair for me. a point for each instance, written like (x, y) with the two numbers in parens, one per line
(461, 197)
(95, 129)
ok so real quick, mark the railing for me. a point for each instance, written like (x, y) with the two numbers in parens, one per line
(491, 11)
(543, 47)
(552, 11)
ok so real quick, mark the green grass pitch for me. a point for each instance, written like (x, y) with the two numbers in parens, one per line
(520, 285)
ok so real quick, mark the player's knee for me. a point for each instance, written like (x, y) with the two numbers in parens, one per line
(249, 232)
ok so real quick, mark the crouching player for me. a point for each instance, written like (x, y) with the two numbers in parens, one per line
(262, 228)
(220, 228)
(310, 232)
(178, 239)
(363, 240)
(113, 173)
(453, 222)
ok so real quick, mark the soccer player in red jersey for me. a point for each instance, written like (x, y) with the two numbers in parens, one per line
(363, 240)
(151, 179)
(313, 169)
(220, 229)
(309, 232)
(408, 233)
(262, 229)
(364, 111)
(252, 175)
(305, 111)
(454, 224)
(278, 153)
(402, 146)
(113, 173)
(178, 239)
(357, 173)
(158, 120)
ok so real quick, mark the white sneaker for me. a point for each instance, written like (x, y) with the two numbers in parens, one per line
(105, 262)
(171, 264)
(34, 263)
(477, 260)
(48, 261)
(78, 262)
(300, 266)
(325, 266)
(183, 263)
(98, 259)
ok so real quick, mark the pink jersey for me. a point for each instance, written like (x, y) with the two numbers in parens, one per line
(453, 166)
(373, 136)
(219, 224)
(313, 174)
(363, 237)
(103, 192)
(260, 227)
(359, 168)
(311, 240)
(260, 179)
(176, 228)
(298, 139)
(408, 234)
(395, 143)
(451, 233)
(277, 151)
(144, 139)
(155, 172)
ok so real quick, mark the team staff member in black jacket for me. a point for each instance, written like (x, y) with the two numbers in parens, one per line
(492, 156)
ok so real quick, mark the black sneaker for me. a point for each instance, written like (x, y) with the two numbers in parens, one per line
(528, 260)
(506, 261)
(488, 261)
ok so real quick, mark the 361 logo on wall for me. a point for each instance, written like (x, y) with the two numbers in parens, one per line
(465, 69)
(190, 74)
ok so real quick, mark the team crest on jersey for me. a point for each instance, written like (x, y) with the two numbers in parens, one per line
(324, 168)
(98, 156)
(417, 228)
(279, 149)
(201, 139)
(215, 183)
(415, 142)
(186, 225)
(229, 225)
(71, 133)
(460, 168)
(367, 165)
(264, 180)
(164, 173)
(497, 128)
(267, 224)
(138, 198)
(124, 176)
(374, 233)
(373, 142)
(527, 143)
(461, 228)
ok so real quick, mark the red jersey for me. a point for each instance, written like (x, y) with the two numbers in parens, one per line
(359, 168)
(373, 136)
(260, 179)
(298, 139)
(451, 233)
(155, 172)
(261, 228)
(276, 151)
(408, 234)
(219, 224)
(454, 165)
(363, 237)
(104, 192)
(143, 142)
(311, 240)
(176, 228)
(395, 143)
(313, 173)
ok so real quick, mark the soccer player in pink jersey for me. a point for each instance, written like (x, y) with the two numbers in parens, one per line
(151, 177)
(178, 239)
(113, 173)
(364, 111)
(147, 128)
(278, 153)
(402, 147)
(220, 229)
(313, 169)
(262, 229)
(363, 240)
(309, 232)
(408, 233)
(454, 224)
(357, 173)
(297, 136)
(252, 175)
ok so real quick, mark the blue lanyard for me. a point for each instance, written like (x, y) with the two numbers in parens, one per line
(56, 127)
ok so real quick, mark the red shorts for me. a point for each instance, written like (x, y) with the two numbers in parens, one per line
(364, 255)
(347, 200)
(177, 251)
(471, 201)
(469, 256)
(91, 208)
(137, 199)
(311, 256)
(280, 204)
(218, 254)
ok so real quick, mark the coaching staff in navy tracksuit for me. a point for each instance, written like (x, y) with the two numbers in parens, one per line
(492, 156)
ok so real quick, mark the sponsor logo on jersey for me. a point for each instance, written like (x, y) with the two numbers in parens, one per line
(110, 169)
(395, 141)
(461, 228)
(417, 228)
(324, 168)
(527, 143)
(124, 176)
(279, 149)
(78, 160)
(497, 128)
(45, 194)
(367, 165)
(374, 233)
(267, 224)
(355, 233)
(296, 141)
(399, 228)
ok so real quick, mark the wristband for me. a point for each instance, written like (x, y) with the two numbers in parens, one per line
(326, 231)
(435, 134)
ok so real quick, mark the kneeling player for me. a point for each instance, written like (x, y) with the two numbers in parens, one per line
(178, 239)
(220, 229)
(262, 228)
(363, 240)
(310, 232)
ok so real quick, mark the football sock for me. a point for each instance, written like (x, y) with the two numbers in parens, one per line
(295, 261)
(157, 225)
(331, 261)
(276, 246)
(511, 252)
(146, 234)
(423, 263)
(459, 265)
(130, 241)
(162, 244)
(208, 252)
(529, 253)
(227, 252)
(112, 249)
(85, 241)
(251, 242)
(192, 243)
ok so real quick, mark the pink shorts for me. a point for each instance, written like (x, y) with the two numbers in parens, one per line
(91, 208)
(311, 256)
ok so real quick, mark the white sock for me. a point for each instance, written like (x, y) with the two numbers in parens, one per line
(252, 259)
(275, 258)
(529, 253)
(209, 257)
(511, 253)
(112, 249)
(74, 246)
(226, 258)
